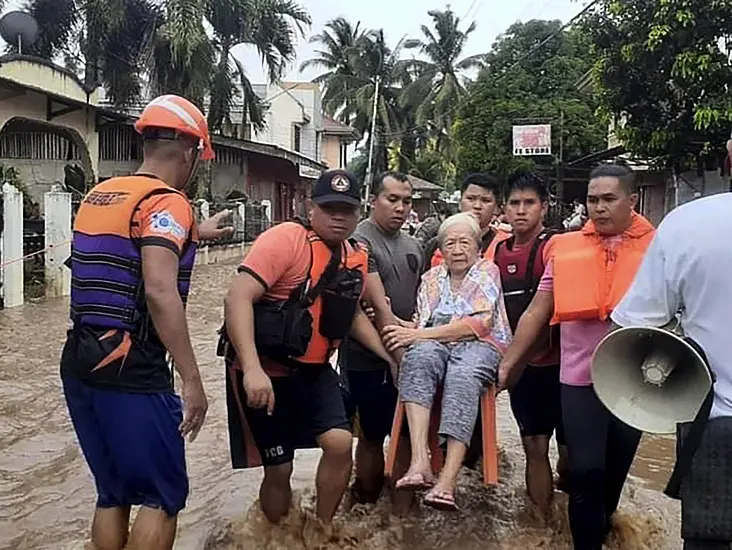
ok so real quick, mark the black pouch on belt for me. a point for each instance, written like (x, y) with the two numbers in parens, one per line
(283, 329)
(339, 301)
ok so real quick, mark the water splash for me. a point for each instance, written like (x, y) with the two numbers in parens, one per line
(497, 518)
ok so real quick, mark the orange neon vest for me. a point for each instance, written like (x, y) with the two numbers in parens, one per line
(489, 253)
(353, 257)
(106, 262)
(590, 278)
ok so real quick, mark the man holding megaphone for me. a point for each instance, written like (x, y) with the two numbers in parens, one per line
(586, 275)
(686, 269)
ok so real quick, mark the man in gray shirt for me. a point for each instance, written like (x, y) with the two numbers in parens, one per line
(396, 259)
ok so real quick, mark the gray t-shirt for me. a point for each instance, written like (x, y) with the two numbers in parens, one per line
(398, 259)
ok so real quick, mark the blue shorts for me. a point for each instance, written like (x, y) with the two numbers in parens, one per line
(132, 444)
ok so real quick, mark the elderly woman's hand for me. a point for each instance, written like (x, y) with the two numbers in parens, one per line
(396, 337)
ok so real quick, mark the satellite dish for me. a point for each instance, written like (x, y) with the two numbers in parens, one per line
(19, 28)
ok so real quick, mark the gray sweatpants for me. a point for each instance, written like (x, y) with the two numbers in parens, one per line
(463, 369)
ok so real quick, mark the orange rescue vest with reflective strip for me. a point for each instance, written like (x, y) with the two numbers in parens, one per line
(354, 257)
(590, 275)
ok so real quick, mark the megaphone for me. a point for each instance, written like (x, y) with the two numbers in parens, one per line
(650, 378)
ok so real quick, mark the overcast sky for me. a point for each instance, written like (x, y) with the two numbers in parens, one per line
(404, 17)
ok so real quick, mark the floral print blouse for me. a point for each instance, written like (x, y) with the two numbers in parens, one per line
(479, 301)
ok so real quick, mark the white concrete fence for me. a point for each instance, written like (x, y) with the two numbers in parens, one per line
(57, 245)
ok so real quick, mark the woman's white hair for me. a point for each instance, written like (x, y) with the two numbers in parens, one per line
(463, 220)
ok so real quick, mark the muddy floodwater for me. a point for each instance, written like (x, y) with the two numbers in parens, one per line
(47, 495)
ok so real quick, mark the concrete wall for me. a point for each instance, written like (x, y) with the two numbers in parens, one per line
(278, 181)
(284, 112)
(39, 175)
(331, 153)
(291, 104)
(17, 102)
(111, 168)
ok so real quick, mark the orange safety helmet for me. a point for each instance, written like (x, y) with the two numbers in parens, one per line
(172, 112)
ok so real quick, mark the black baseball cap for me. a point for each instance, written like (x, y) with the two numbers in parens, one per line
(337, 186)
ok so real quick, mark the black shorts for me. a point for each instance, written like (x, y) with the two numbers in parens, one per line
(307, 404)
(536, 403)
(374, 397)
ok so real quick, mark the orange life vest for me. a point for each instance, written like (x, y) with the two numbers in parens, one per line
(354, 257)
(591, 277)
(106, 262)
(488, 254)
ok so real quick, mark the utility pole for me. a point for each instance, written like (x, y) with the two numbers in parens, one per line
(372, 137)
(560, 164)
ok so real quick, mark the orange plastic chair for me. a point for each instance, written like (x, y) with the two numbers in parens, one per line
(488, 427)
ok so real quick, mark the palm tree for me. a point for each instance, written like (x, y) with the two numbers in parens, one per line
(103, 39)
(124, 44)
(184, 53)
(357, 62)
(338, 56)
(439, 87)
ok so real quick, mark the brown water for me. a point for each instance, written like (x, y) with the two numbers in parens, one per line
(47, 494)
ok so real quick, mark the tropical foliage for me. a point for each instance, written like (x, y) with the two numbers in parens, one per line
(433, 121)
(662, 72)
(413, 111)
(519, 87)
(130, 46)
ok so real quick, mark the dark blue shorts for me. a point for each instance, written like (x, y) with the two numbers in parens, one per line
(373, 395)
(132, 444)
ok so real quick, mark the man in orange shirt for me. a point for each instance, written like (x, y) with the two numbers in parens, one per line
(133, 251)
(480, 196)
(293, 401)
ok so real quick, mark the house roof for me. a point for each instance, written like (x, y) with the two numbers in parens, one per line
(335, 128)
(234, 143)
(418, 184)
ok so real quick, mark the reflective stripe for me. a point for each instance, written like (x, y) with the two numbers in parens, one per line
(166, 103)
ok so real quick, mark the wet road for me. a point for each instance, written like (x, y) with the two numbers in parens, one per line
(46, 491)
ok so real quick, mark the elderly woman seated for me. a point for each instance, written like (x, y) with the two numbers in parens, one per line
(456, 342)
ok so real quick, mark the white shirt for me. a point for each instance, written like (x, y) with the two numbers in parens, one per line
(688, 268)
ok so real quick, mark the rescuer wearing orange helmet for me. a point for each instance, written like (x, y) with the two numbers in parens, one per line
(134, 245)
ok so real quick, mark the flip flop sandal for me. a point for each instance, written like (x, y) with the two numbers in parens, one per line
(443, 502)
(416, 482)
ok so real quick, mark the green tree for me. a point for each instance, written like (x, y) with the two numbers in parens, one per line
(184, 53)
(102, 39)
(338, 56)
(367, 61)
(439, 82)
(523, 83)
(662, 71)
(126, 44)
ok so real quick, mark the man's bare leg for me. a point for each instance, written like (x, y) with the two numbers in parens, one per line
(334, 471)
(275, 493)
(153, 529)
(403, 499)
(110, 528)
(369, 472)
(539, 481)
